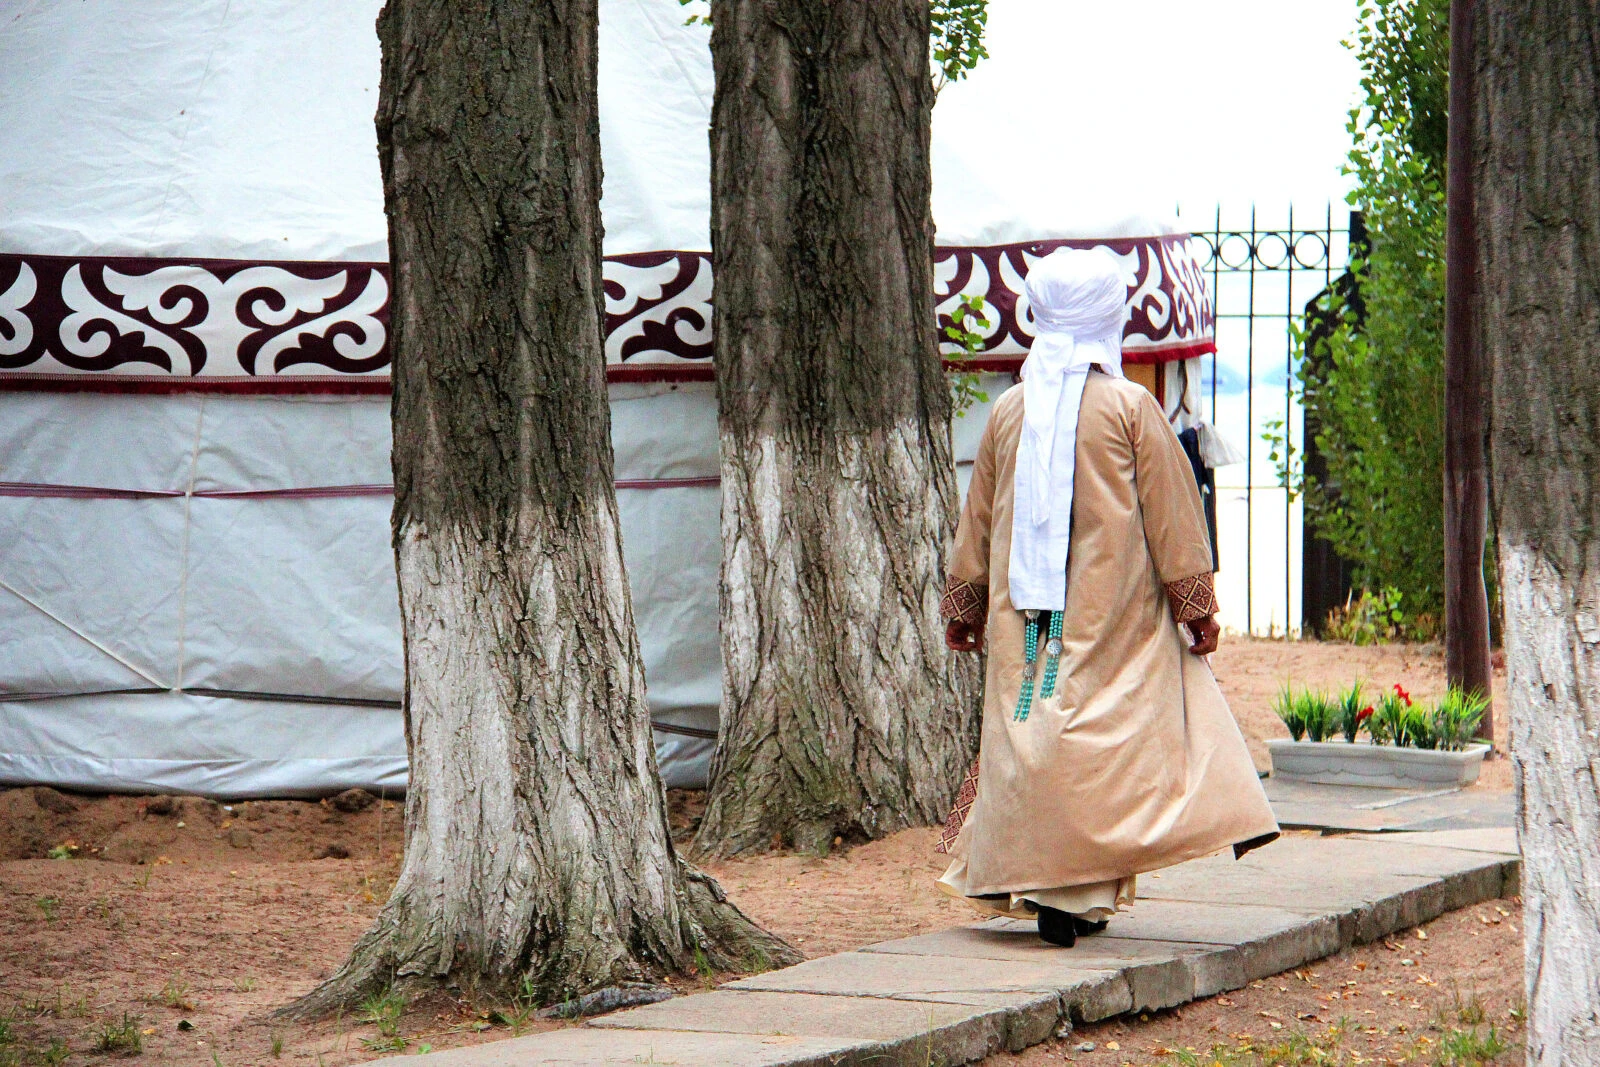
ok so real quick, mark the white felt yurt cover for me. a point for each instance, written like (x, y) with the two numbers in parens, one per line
(196, 583)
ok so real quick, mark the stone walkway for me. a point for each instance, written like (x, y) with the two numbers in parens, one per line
(955, 996)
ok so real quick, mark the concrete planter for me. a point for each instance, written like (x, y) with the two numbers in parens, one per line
(1383, 766)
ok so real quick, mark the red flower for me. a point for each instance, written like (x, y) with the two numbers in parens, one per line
(1400, 692)
(1364, 714)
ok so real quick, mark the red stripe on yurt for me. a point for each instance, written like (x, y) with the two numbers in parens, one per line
(314, 492)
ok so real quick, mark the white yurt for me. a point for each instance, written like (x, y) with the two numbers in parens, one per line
(197, 590)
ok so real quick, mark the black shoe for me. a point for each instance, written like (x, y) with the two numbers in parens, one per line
(1057, 927)
(1083, 927)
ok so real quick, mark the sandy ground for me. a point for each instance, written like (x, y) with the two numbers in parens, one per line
(186, 922)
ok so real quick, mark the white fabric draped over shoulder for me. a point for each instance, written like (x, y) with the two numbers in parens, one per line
(1078, 298)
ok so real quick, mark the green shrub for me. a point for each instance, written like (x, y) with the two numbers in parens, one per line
(1371, 619)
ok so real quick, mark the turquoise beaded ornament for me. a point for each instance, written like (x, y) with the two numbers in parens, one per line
(1030, 648)
(1052, 649)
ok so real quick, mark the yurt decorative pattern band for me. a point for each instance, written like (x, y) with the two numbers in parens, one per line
(120, 322)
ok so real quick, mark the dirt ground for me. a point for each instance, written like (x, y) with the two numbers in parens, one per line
(178, 924)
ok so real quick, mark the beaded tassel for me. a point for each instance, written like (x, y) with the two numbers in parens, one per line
(1052, 649)
(1030, 648)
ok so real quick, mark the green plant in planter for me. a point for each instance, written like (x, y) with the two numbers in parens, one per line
(1392, 721)
(1456, 717)
(1419, 728)
(1288, 709)
(1448, 726)
(1309, 714)
(1352, 711)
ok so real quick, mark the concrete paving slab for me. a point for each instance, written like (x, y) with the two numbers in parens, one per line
(594, 1047)
(1309, 805)
(1277, 876)
(730, 1011)
(1392, 854)
(884, 974)
(1268, 940)
(926, 1031)
(1018, 939)
(1498, 839)
(1464, 877)
(1160, 974)
(1366, 900)
(1030, 1017)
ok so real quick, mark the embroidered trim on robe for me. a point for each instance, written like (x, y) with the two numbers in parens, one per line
(1192, 598)
(958, 814)
(964, 602)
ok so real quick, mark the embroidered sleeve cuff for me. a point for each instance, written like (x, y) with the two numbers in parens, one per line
(1192, 598)
(964, 602)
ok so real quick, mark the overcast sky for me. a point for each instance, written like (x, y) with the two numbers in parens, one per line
(1140, 105)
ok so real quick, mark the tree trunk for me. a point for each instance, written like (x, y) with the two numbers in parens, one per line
(1466, 388)
(843, 713)
(536, 834)
(1540, 222)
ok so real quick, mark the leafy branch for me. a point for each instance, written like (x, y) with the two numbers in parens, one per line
(961, 330)
(956, 38)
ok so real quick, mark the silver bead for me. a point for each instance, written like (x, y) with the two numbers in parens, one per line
(1054, 647)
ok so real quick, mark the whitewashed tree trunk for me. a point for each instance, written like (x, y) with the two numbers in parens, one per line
(843, 713)
(537, 847)
(1540, 206)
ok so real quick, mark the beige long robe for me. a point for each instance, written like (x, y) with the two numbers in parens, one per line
(1135, 763)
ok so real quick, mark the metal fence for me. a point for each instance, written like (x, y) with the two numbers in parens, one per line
(1263, 273)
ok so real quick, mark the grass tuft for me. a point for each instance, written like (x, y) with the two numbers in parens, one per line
(175, 994)
(384, 1010)
(120, 1038)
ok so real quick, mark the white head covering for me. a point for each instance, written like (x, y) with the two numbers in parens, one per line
(1079, 302)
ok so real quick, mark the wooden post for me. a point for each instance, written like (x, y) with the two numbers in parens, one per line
(1466, 388)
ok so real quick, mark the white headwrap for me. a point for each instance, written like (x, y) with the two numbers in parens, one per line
(1079, 301)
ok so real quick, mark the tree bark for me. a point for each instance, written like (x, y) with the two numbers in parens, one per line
(1540, 222)
(1466, 388)
(537, 851)
(843, 713)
